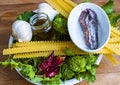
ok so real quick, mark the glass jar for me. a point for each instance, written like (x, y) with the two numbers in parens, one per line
(41, 26)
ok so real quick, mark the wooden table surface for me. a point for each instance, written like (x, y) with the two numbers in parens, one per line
(107, 74)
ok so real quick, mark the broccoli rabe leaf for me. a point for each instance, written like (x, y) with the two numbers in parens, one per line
(25, 16)
(114, 19)
(88, 76)
(37, 79)
(109, 9)
(51, 81)
(26, 69)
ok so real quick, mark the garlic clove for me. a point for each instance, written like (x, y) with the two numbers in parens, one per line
(47, 9)
(21, 31)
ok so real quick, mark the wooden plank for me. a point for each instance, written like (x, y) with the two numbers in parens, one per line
(106, 67)
(21, 82)
(117, 6)
(6, 82)
(99, 2)
(11, 2)
(107, 79)
(11, 11)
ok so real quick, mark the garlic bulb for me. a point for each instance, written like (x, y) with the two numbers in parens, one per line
(21, 31)
(46, 8)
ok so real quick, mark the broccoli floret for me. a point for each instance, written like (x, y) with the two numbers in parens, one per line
(66, 72)
(91, 59)
(77, 63)
(60, 24)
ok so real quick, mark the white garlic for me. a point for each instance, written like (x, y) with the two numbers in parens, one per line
(47, 9)
(21, 31)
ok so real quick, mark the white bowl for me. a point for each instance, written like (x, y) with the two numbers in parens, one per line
(75, 30)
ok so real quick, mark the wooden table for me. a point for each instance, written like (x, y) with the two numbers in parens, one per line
(107, 74)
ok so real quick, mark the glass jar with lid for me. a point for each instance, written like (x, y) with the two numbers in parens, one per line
(41, 26)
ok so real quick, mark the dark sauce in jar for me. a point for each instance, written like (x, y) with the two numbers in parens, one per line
(40, 22)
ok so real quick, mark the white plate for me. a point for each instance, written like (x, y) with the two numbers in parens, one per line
(68, 82)
(75, 29)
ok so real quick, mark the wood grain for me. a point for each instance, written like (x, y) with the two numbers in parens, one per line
(9, 10)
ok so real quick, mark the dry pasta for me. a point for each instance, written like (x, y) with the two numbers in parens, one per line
(71, 3)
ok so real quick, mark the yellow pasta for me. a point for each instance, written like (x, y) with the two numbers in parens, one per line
(59, 3)
(33, 43)
(71, 3)
(114, 45)
(113, 35)
(40, 47)
(69, 8)
(111, 59)
(56, 52)
(48, 46)
(114, 40)
(115, 48)
(38, 54)
(58, 8)
(115, 32)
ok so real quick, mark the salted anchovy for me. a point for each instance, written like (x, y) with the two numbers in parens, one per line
(89, 24)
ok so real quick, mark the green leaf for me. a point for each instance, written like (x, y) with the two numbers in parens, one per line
(88, 76)
(51, 81)
(37, 79)
(66, 72)
(85, 0)
(69, 52)
(25, 16)
(28, 71)
(109, 7)
(114, 19)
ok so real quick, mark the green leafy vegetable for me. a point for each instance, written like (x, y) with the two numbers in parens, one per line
(85, 0)
(51, 81)
(66, 72)
(109, 9)
(77, 63)
(60, 24)
(25, 16)
(26, 69)
(88, 76)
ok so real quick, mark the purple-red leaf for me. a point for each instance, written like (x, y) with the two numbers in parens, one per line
(46, 63)
(52, 73)
(57, 61)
